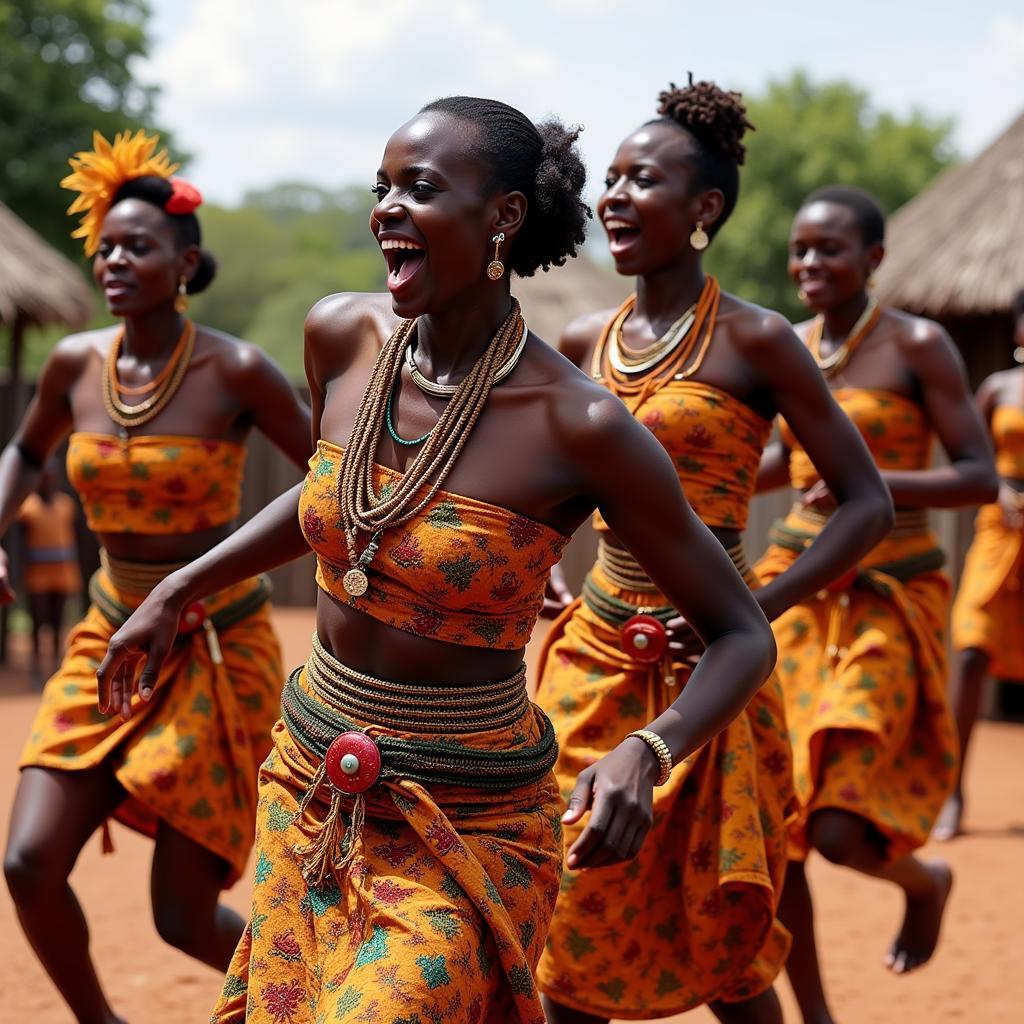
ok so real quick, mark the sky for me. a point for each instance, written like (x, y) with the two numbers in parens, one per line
(261, 91)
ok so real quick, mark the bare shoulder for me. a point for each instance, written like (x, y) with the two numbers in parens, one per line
(341, 326)
(755, 330)
(917, 335)
(71, 355)
(580, 337)
(239, 361)
(1001, 386)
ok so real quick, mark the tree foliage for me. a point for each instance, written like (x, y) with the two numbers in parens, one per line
(65, 69)
(809, 135)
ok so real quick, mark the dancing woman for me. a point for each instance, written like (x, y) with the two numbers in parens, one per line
(409, 838)
(863, 664)
(705, 373)
(988, 614)
(158, 409)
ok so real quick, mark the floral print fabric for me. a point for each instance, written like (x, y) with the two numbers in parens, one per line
(462, 570)
(440, 916)
(715, 441)
(190, 756)
(692, 918)
(155, 484)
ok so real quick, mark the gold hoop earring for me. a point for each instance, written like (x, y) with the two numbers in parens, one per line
(699, 237)
(802, 295)
(495, 269)
(870, 286)
(181, 299)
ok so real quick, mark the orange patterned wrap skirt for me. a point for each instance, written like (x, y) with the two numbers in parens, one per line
(190, 756)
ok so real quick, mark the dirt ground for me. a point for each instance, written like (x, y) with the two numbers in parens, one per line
(976, 976)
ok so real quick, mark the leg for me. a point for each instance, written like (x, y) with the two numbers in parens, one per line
(37, 610)
(852, 841)
(186, 883)
(56, 602)
(54, 814)
(556, 1013)
(796, 912)
(762, 1009)
(965, 697)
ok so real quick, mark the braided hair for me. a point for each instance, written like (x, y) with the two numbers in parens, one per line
(156, 191)
(543, 162)
(716, 121)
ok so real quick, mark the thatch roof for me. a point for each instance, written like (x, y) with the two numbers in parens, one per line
(958, 248)
(36, 281)
(551, 300)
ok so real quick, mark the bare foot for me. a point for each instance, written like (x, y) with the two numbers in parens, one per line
(921, 924)
(947, 825)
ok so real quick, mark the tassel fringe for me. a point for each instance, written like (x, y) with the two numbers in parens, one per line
(332, 846)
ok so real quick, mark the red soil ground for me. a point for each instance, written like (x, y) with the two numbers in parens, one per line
(976, 976)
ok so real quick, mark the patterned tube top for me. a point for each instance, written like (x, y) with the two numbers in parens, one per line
(715, 441)
(462, 571)
(155, 484)
(893, 427)
(1008, 437)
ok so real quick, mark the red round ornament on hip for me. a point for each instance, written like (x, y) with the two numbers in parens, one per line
(192, 617)
(644, 638)
(353, 762)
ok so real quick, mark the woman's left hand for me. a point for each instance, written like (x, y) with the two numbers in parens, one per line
(619, 792)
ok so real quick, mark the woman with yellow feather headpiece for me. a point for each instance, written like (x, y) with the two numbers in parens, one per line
(158, 410)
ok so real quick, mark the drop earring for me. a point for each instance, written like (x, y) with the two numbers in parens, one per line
(181, 299)
(802, 295)
(699, 237)
(1018, 354)
(495, 269)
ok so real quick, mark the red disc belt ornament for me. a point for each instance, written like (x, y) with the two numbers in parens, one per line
(844, 582)
(192, 618)
(353, 762)
(644, 638)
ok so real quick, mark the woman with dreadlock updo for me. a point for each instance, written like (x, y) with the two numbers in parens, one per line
(692, 920)
(409, 844)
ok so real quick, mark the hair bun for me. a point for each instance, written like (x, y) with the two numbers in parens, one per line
(205, 273)
(714, 115)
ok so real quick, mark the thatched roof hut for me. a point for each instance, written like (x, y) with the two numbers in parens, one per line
(38, 287)
(36, 282)
(956, 249)
(551, 300)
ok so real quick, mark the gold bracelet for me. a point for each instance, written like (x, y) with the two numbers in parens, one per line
(661, 752)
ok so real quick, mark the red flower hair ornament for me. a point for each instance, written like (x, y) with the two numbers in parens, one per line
(185, 197)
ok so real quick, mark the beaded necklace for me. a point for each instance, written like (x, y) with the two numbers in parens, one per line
(362, 508)
(635, 389)
(831, 365)
(164, 387)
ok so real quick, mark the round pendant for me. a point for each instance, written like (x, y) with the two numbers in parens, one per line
(644, 638)
(353, 762)
(192, 617)
(495, 269)
(355, 582)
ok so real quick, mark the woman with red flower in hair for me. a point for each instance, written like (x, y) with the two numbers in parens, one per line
(158, 410)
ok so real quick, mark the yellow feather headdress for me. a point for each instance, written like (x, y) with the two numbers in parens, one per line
(98, 174)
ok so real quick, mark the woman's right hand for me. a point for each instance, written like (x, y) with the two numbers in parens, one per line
(6, 590)
(149, 633)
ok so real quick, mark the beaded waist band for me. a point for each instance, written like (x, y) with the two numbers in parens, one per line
(136, 577)
(341, 697)
(910, 522)
(623, 571)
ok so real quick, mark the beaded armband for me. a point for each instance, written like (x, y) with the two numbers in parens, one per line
(661, 752)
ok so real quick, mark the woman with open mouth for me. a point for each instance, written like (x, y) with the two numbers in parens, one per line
(409, 840)
(705, 373)
(863, 664)
(158, 410)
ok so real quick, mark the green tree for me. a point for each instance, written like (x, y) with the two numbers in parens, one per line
(65, 69)
(809, 135)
